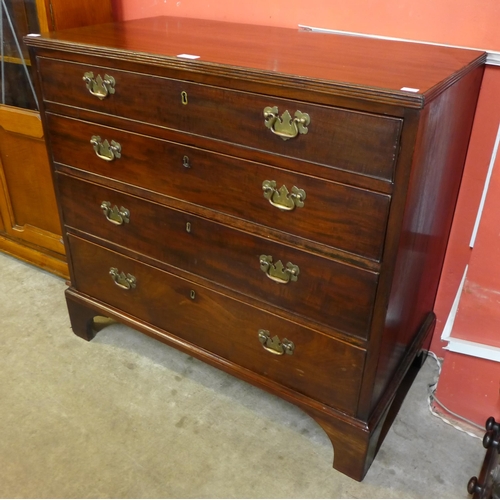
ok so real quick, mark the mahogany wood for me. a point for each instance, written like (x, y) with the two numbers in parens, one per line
(230, 149)
(381, 167)
(430, 204)
(320, 367)
(376, 137)
(337, 215)
(377, 69)
(331, 293)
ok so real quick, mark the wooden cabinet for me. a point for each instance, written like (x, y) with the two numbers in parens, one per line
(274, 202)
(30, 227)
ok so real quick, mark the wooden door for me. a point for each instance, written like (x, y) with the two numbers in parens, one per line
(29, 220)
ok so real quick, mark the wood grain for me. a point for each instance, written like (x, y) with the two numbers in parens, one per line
(381, 168)
(376, 69)
(333, 294)
(235, 117)
(222, 326)
(61, 14)
(334, 214)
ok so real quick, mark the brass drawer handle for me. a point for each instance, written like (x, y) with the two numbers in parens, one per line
(281, 198)
(104, 150)
(277, 272)
(286, 127)
(98, 86)
(115, 215)
(121, 279)
(275, 345)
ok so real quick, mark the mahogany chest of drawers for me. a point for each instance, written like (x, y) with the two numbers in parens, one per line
(274, 202)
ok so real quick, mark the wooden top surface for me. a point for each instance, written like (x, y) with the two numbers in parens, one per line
(283, 55)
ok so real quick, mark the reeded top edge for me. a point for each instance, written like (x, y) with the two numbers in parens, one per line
(399, 73)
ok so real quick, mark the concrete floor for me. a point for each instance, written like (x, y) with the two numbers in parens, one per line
(125, 416)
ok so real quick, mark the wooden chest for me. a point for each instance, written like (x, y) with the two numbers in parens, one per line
(274, 202)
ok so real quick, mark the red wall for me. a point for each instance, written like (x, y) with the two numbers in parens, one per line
(456, 22)
(469, 387)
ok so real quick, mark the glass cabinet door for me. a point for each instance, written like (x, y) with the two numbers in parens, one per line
(18, 18)
(29, 219)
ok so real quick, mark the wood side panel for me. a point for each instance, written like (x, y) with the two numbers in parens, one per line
(395, 222)
(435, 180)
(21, 121)
(27, 175)
(28, 203)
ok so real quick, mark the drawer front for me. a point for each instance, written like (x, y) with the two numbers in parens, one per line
(347, 140)
(333, 214)
(319, 367)
(330, 293)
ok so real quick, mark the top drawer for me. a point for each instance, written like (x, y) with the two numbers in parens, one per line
(347, 140)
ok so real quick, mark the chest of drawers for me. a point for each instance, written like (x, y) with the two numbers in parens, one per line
(274, 202)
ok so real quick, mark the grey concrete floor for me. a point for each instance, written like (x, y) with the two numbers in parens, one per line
(125, 416)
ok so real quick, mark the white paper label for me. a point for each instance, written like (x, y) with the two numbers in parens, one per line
(188, 56)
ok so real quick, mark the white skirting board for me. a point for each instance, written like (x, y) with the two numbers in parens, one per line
(473, 349)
